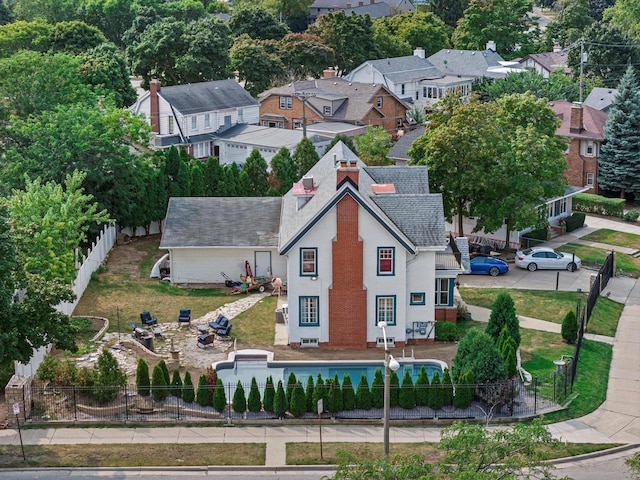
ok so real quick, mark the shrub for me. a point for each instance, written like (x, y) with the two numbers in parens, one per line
(291, 383)
(503, 313)
(589, 203)
(308, 393)
(212, 381)
(569, 329)
(239, 402)
(478, 353)
(462, 313)
(631, 216)
(188, 395)
(319, 392)
(329, 404)
(47, 370)
(269, 394)
(394, 387)
(298, 405)
(510, 360)
(446, 331)
(407, 392)
(338, 403)
(280, 406)
(176, 384)
(435, 396)
(377, 390)
(203, 397)
(108, 377)
(575, 221)
(165, 371)
(85, 377)
(538, 234)
(363, 394)
(348, 394)
(158, 384)
(447, 388)
(464, 390)
(219, 397)
(422, 388)
(143, 382)
(253, 402)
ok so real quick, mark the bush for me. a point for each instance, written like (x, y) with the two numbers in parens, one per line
(159, 384)
(464, 390)
(165, 371)
(377, 390)
(436, 393)
(447, 388)
(291, 383)
(188, 395)
(407, 392)
(203, 397)
(503, 313)
(575, 221)
(338, 403)
(108, 376)
(363, 394)
(308, 393)
(298, 405)
(253, 402)
(85, 377)
(394, 387)
(447, 332)
(478, 353)
(269, 395)
(319, 392)
(47, 370)
(569, 329)
(176, 384)
(143, 382)
(538, 234)
(422, 388)
(219, 397)
(348, 395)
(280, 406)
(589, 203)
(239, 402)
(631, 216)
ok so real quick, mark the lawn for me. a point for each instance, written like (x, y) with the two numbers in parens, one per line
(550, 305)
(625, 264)
(613, 237)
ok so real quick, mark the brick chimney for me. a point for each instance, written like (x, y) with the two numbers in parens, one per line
(491, 45)
(348, 5)
(557, 48)
(328, 73)
(154, 88)
(576, 125)
(347, 169)
(418, 52)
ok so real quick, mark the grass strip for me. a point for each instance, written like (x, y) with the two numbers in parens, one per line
(625, 264)
(613, 237)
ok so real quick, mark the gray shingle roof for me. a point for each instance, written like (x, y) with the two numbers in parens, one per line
(601, 98)
(222, 222)
(407, 180)
(207, 96)
(469, 63)
(401, 148)
(406, 69)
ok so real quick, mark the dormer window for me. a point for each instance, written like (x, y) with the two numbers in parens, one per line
(326, 110)
(194, 123)
(379, 102)
(286, 103)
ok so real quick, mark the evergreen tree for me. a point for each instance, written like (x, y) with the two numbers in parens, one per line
(172, 164)
(107, 374)
(510, 359)
(159, 384)
(219, 397)
(477, 352)
(280, 401)
(212, 381)
(285, 171)
(184, 180)
(422, 388)
(464, 390)
(229, 185)
(377, 390)
(309, 393)
(319, 392)
(253, 403)
(239, 402)
(363, 394)
(569, 329)
(291, 384)
(329, 403)
(197, 180)
(143, 383)
(256, 168)
(348, 394)
(212, 176)
(436, 392)
(269, 394)
(305, 156)
(202, 394)
(298, 404)
(165, 371)
(338, 403)
(394, 387)
(341, 137)
(176, 384)
(447, 388)
(503, 313)
(504, 336)
(407, 392)
(188, 395)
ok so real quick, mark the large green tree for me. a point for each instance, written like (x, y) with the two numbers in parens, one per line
(478, 353)
(305, 55)
(105, 68)
(619, 163)
(449, 11)
(625, 14)
(257, 22)
(51, 11)
(418, 29)
(558, 86)
(256, 67)
(112, 17)
(503, 314)
(305, 156)
(374, 145)
(23, 35)
(285, 171)
(257, 176)
(75, 37)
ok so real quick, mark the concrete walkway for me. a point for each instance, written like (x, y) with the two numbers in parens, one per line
(617, 420)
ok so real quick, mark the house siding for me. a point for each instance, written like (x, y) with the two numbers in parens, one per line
(578, 166)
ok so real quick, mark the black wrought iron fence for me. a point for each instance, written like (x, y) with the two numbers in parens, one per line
(602, 278)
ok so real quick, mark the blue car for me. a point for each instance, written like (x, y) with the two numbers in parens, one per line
(488, 266)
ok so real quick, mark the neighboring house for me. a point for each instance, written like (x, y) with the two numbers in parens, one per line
(364, 245)
(331, 100)
(237, 143)
(547, 63)
(399, 152)
(584, 127)
(413, 78)
(206, 236)
(474, 63)
(190, 115)
(373, 8)
(601, 98)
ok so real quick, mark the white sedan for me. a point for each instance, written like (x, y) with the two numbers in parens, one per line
(546, 258)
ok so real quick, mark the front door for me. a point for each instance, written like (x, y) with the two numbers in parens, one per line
(262, 264)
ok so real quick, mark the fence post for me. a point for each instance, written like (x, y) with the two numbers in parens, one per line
(535, 395)
(229, 399)
(126, 403)
(75, 403)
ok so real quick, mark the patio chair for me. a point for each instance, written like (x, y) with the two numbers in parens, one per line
(224, 332)
(147, 319)
(184, 316)
(207, 339)
(220, 322)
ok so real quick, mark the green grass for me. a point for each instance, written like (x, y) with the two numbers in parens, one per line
(550, 305)
(256, 325)
(625, 264)
(613, 237)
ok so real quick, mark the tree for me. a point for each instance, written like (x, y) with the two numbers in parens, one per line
(569, 330)
(183, 180)
(256, 67)
(219, 397)
(176, 384)
(319, 393)
(388, 43)
(305, 55)
(363, 394)
(5, 15)
(449, 11)
(112, 17)
(619, 164)
(253, 402)
(159, 384)
(75, 37)
(558, 86)
(338, 401)
(291, 383)
(188, 395)
(258, 178)
(298, 403)
(257, 23)
(239, 402)
(22, 35)
(418, 29)
(108, 376)
(308, 393)
(143, 383)
(625, 14)
(507, 22)
(280, 406)
(447, 388)
(229, 186)
(284, 170)
(394, 394)
(165, 371)
(197, 181)
(407, 392)
(305, 156)
(269, 395)
(212, 176)
(422, 388)
(510, 359)
(503, 314)
(294, 12)
(478, 353)
(436, 393)
(348, 395)
(50, 222)
(105, 68)
(464, 390)
(374, 145)
(377, 390)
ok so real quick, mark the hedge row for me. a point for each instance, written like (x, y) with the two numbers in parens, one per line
(589, 203)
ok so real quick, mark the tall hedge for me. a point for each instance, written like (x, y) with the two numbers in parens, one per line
(464, 390)
(253, 402)
(269, 395)
(280, 406)
(348, 394)
(298, 404)
(377, 390)
(407, 392)
(338, 403)
(590, 203)
(219, 397)
(143, 382)
(422, 388)
(239, 402)
(188, 395)
(158, 384)
(291, 383)
(308, 393)
(436, 394)
(176, 384)
(203, 397)
(447, 388)
(319, 392)
(363, 394)
(165, 371)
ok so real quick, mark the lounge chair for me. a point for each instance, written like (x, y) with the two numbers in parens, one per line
(220, 322)
(207, 339)
(184, 316)
(147, 319)
(224, 332)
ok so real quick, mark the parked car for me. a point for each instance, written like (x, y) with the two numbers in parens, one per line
(481, 264)
(546, 258)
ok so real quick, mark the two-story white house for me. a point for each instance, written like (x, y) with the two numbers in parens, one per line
(190, 115)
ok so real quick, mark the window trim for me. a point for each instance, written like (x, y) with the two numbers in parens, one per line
(380, 273)
(301, 300)
(315, 261)
(417, 298)
(438, 292)
(395, 307)
(592, 177)
(286, 103)
(194, 123)
(379, 102)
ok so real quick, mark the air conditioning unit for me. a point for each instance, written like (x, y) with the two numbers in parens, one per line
(391, 342)
(309, 342)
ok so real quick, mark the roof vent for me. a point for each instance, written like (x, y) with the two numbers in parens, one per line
(307, 183)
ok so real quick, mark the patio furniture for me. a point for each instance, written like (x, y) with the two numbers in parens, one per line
(184, 316)
(203, 329)
(147, 319)
(157, 331)
(224, 332)
(204, 340)
(220, 322)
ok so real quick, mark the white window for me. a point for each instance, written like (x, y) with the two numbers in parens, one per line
(308, 262)
(297, 123)
(590, 179)
(240, 115)
(286, 103)
(194, 123)
(379, 102)
(386, 261)
(386, 309)
(402, 89)
(559, 207)
(590, 149)
(170, 125)
(442, 291)
(201, 150)
(309, 311)
(326, 110)
(207, 120)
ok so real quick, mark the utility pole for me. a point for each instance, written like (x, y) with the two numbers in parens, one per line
(583, 59)
(303, 97)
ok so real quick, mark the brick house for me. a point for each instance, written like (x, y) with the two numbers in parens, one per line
(331, 99)
(584, 127)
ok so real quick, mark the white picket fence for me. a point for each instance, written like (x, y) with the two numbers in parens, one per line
(89, 264)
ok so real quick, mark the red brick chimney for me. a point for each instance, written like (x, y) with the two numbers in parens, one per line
(576, 125)
(154, 88)
(328, 73)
